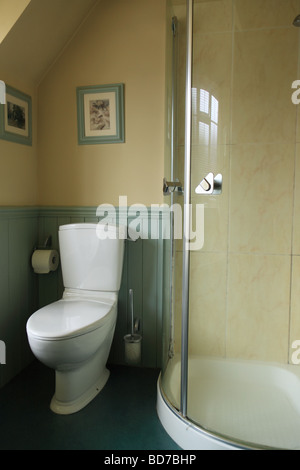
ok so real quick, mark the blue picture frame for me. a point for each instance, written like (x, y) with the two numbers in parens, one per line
(100, 111)
(16, 117)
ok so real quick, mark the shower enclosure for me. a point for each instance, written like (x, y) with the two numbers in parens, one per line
(231, 377)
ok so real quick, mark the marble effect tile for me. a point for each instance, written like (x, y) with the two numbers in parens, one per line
(258, 307)
(245, 281)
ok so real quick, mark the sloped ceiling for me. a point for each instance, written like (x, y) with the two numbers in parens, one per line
(39, 36)
(10, 12)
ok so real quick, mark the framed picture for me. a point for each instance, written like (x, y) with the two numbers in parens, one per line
(16, 117)
(101, 114)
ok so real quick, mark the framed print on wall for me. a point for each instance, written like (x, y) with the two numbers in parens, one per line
(16, 117)
(101, 114)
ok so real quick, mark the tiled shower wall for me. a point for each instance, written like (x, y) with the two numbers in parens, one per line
(22, 292)
(245, 282)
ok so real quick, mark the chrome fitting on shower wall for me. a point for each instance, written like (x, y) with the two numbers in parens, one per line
(172, 187)
(210, 185)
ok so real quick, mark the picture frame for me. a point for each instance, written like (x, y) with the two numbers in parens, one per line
(100, 112)
(16, 117)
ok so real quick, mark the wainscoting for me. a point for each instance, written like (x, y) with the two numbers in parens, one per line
(22, 292)
(18, 286)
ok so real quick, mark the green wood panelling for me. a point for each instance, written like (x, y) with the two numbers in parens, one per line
(22, 292)
(142, 272)
(18, 287)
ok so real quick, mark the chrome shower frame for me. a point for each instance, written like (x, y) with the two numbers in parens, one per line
(187, 214)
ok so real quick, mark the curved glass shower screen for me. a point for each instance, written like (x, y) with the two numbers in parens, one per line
(240, 379)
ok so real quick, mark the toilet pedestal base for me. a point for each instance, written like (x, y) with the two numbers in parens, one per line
(75, 389)
(67, 408)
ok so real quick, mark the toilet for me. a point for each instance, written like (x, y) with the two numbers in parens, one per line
(73, 336)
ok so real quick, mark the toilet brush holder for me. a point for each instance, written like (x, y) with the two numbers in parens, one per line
(133, 349)
(133, 342)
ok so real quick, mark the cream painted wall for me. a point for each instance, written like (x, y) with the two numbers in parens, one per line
(18, 175)
(122, 42)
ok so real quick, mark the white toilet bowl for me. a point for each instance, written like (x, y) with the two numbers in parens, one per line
(74, 335)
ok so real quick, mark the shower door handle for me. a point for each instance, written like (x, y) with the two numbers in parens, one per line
(210, 185)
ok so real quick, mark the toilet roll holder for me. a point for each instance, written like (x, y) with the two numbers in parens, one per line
(46, 245)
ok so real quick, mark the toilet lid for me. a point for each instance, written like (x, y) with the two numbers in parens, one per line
(68, 318)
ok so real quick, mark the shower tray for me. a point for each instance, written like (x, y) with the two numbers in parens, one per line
(255, 404)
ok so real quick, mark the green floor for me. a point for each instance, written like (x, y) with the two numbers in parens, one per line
(122, 417)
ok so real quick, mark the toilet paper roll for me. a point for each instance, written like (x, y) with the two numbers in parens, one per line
(45, 261)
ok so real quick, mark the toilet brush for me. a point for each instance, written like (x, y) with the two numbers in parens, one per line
(132, 312)
(132, 341)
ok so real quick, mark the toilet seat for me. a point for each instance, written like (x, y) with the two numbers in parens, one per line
(67, 319)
